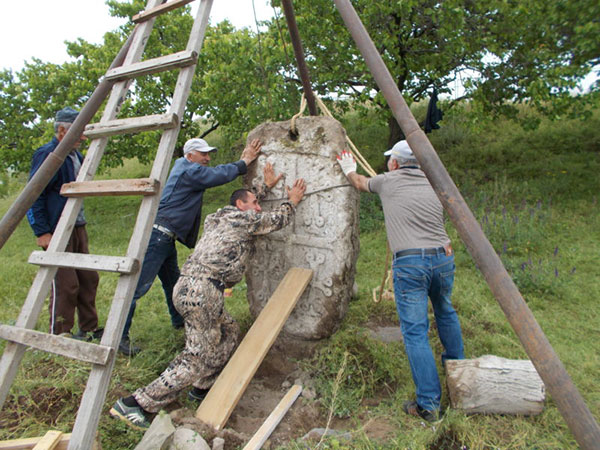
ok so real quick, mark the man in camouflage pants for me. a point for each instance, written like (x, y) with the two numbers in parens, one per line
(218, 261)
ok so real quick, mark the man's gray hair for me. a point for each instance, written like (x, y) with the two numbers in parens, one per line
(65, 125)
(405, 161)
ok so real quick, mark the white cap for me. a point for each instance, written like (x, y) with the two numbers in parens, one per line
(197, 144)
(400, 149)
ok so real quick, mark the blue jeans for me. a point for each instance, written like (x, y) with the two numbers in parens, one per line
(161, 260)
(417, 277)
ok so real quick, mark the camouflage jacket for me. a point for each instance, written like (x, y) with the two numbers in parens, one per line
(228, 241)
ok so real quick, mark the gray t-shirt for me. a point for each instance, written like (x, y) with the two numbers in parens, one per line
(414, 217)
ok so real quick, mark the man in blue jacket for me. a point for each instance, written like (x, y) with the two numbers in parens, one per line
(178, 218)
(72, 289)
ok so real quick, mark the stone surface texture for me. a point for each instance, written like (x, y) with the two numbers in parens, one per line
(324, 233)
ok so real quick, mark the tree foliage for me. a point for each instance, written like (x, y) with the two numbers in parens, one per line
(501, 53)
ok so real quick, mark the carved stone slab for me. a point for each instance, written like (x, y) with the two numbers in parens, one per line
(324, 234)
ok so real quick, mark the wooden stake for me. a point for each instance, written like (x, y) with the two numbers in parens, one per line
(274, 418)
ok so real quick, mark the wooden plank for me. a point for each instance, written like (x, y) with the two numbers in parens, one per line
(59, 345)
(165, 7)
(49, 441)
(131, 125)
(30, 443)
(83, 261)
(274, 418)
(216, 408)
(131, 186)
(180, 59)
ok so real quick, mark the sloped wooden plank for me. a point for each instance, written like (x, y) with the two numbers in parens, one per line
(265, 430)
(83, 261)
(180, 59)
(71, 348)
(98, 188)
(131, 125)
(165, 7)
(216, 408)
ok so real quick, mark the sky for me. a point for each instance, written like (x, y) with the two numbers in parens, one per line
(39, 28)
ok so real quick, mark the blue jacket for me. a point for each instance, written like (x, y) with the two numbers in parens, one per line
(180, 207)
(45, 212)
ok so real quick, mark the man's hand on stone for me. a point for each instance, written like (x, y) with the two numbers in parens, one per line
(296, 192)
(269, 174)
(346, 162)
(251, 151)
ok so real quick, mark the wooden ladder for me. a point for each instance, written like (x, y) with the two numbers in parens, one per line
(102, 356)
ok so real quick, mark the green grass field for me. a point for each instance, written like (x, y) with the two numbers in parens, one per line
(535, 194)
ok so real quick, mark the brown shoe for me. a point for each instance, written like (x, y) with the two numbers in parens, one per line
(412, 408)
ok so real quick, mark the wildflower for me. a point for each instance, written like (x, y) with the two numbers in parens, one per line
(556, 251)
(556, 273)
(572, 270)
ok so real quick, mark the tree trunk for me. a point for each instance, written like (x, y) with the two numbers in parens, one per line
(494, 385)
(396, 133)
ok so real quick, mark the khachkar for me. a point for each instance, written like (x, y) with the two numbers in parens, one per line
(324, 233)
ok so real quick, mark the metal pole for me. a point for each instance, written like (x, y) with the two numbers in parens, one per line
(568, 399)
(290, 17)
(55, 159)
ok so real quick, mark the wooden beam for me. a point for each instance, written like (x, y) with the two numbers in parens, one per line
(49, 441)
(59, 345)
(218, 405)
(84, 261)
(131, 125)
(132, 186)
(30, 443)
(180, 59)
(158, 10)
(274, 418)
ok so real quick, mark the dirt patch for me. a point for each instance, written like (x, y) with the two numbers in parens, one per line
(46, 404)
(276, 375)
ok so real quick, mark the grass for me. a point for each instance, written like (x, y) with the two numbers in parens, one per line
(534, 193)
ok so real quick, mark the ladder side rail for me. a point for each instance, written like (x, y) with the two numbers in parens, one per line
(94, 395)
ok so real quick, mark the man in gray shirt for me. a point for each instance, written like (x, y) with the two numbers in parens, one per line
(423, 267)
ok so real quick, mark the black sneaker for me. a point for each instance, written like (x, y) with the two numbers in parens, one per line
(132, 415)
(412, 408)
(197, 395)
(88, 336)
(127, 348)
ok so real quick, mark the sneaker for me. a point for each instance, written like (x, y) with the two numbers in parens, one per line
(132, 415)
(412, 408)
(197, 395)
(88, 336)
(127, 348)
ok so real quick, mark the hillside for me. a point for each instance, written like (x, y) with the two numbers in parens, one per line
(535, 194)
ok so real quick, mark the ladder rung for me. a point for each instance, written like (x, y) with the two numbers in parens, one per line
(85, 261)
(71, 348)
(97, 188)
(179, 59)
(158, 10)
(131, 125)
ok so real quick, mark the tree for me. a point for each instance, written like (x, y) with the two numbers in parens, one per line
(505, 51)
(236, 85)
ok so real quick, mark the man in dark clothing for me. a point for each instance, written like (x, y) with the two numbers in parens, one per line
(178, 218)
(218, 261)
(72, 289)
